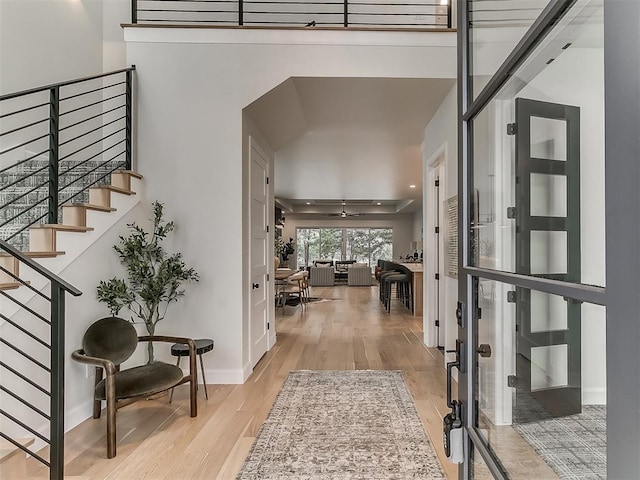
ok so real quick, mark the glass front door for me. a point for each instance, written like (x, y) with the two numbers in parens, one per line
(531, 268)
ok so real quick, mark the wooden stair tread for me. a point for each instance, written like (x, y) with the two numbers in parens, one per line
(36, 254)
(11, 285)
(130, 173)
(113, 189)
(63, 228)
(7, 448)
(90, 206)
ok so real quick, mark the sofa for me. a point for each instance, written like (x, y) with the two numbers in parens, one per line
(322, 274)
(359, 274)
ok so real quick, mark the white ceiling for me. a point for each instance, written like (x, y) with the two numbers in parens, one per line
(352, 139)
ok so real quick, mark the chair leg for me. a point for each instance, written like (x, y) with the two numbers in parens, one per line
(97, 404)
(177, 365)
(204, 380)
(111, 416)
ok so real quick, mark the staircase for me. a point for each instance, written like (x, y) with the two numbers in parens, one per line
(42, 239)
(54, 204)
(26, 191)
(54, 246)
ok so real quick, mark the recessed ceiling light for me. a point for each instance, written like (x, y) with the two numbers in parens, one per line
(308, 203)
(412, 186)
(379, 203)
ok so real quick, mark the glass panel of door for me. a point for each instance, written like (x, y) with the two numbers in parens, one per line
(540, 382)
(538, 160)
(495, 27)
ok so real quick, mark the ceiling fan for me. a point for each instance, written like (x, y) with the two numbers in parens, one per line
(343, 213)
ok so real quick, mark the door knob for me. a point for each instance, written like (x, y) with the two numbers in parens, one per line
(255, 285)
(484, 350)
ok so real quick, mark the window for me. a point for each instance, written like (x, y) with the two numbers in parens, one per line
(364, 245)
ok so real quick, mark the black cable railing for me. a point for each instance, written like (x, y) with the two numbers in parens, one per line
(418, 14)
(32, 389)
(56, 142)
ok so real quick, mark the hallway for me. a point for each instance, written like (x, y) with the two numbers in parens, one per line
(346, 330)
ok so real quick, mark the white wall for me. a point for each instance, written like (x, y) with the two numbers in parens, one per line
(441, 144)
(49, 41)
(417, 225)
(193, 85)
(45, 41)
(115, 13)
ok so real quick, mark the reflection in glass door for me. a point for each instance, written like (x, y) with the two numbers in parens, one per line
(547, 217)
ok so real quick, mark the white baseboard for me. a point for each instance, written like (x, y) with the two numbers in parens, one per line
(246, 371)
(77, 415)
(225, 377)
(594, 396)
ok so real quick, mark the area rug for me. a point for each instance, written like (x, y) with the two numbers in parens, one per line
(575, 447)
(294, 301)
(342, 425)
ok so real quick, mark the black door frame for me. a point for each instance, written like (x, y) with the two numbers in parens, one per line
(622, 177)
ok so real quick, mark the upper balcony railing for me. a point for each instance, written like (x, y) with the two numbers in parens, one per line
(405, 14)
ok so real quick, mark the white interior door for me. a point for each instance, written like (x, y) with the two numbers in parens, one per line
(259, 311)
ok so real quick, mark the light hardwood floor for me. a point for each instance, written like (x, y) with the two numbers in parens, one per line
(351, 330)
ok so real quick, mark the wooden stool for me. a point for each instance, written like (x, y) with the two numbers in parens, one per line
(203, 345)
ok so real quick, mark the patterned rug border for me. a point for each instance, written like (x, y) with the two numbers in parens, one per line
(277, 454)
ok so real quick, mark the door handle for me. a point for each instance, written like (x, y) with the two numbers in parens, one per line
(450, 365)
(255, 285)
(484, 349)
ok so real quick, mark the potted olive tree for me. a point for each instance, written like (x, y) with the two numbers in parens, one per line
(154, 276)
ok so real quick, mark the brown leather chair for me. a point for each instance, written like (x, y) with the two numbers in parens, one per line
(108, 343)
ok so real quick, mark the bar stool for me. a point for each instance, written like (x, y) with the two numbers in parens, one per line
(203, 345)
(403, 289)
(383, 283)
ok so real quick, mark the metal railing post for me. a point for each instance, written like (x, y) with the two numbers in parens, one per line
(346, 13)
(54, 130)
(128, 108)
(240, 13)
(56, 457)
(134, 11)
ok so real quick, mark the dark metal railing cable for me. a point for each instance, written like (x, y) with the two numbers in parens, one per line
(55, 417)
(93, 130)
(79, 164)
(92, 117)
(26, 355)
(93, 170)
(25, 403)
(24, 378)
(26, 284)
(347, 13)
(26, 198)
(30, 224)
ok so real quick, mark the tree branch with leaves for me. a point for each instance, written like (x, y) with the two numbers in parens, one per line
(154, 277)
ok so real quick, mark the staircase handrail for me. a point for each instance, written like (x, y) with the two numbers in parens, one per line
(48, 274)
(77, 132)
(64, 84)
(56, 345)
